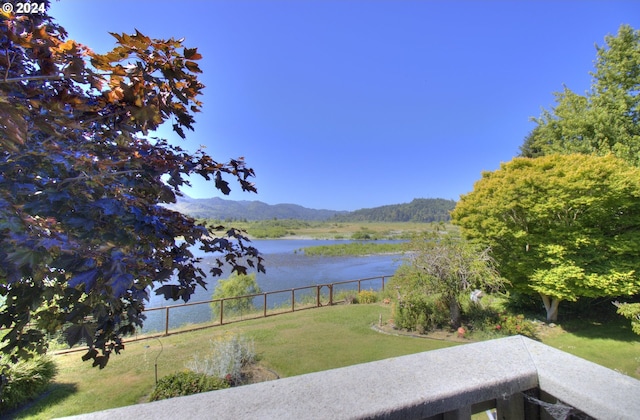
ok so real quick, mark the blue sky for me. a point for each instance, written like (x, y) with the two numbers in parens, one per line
(352, 104)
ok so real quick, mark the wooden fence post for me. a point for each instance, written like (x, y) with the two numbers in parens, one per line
(166, 321)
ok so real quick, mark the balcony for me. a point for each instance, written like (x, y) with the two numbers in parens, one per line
(519, 377)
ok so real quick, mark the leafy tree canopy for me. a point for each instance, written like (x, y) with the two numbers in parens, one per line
(631, 311)
(604, 120)
(235, 285)
(83, 233)
(563, 226)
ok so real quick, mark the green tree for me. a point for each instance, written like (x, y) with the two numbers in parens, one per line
(84, 235)
(235, 285)
(631, 311)
(604, 120)
(447, 266)
(562, 226)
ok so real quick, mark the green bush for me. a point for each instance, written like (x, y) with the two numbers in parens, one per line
(367, 296)
(25, 380)
(479, 317)
(493, 317)
(186, 383)
(421, 313)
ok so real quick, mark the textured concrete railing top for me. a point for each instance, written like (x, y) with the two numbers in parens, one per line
(415, 386)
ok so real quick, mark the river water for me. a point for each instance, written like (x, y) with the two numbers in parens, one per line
(287, 267)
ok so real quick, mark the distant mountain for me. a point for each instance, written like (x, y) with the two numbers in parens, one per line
(419, 210)
(218, 208)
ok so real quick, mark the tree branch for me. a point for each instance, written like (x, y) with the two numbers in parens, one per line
(85, 176)
(31, 78)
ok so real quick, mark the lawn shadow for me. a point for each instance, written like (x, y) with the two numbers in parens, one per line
(618, 329)
(55, 393)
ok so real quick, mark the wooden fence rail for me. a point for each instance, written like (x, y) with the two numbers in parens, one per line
(319, 290)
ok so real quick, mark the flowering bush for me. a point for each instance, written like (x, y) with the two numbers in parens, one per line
(515, 324)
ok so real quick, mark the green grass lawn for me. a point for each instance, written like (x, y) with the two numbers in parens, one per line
(292, 344)
(611, 344)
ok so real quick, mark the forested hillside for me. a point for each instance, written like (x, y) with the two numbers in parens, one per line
(419, 210)
(220, 209)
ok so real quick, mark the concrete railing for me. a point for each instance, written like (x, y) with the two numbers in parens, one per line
(521, 378)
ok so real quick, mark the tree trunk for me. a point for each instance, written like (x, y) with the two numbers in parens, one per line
(454, 311)
(551, 306)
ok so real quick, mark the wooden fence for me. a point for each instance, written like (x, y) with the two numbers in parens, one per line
(315, 296)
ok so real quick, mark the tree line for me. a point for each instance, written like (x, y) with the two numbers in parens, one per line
(421, 210)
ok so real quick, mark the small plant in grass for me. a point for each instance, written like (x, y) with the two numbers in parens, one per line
(24, 380)
(348, 296)
(226, 358)
(186, 383)
(367, 296)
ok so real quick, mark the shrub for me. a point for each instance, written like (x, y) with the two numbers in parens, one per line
(226, 358)
(185, 383)
(25, 380)
(421, 313)
(515, 324)
(493, 317)
(367, 296)
(480, 317)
